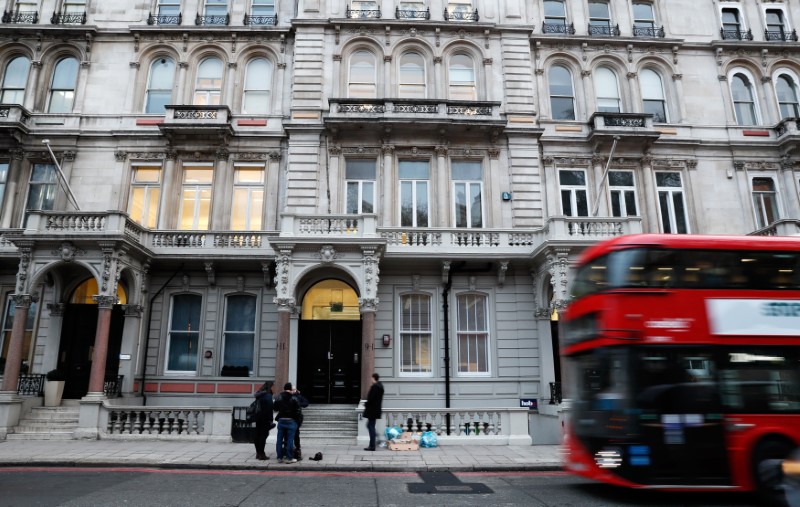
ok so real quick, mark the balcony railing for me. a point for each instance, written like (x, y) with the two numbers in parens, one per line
(30, 384)
(780, 35)
(214, 19)
(260, 20)
(601, 120)
(560, 28)
(407, 14)
(735, 34)
(170, 19)
(785, 227)
(648, 31)
(31, 17)
(555, 393)
(415, 109)
(461, 15)
(363, 13)
(604, 30)
(68, 18)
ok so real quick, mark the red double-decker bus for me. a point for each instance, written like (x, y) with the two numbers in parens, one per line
(682, 362)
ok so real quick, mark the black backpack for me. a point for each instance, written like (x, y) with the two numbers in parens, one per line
(253, 411)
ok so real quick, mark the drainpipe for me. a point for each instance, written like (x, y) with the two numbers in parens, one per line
(446, 316)
(147, 339)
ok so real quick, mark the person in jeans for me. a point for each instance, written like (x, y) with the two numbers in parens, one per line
(288, 410)
(372, 408)
(264, 421)
(303, 402)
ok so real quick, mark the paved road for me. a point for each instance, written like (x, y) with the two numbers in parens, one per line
(74, 487)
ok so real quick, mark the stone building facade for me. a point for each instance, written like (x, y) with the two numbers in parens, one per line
(312, 190)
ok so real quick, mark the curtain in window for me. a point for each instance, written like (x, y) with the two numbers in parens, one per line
(258, 78)
(562, 96)
(184, 334)
(363, 80)
(415, 333)
(62, 89)
(240, 326)
(607, 90)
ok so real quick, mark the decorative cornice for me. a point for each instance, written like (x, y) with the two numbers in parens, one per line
(105, 301)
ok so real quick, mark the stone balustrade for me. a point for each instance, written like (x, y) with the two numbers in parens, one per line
(487, 426)
(165, 423)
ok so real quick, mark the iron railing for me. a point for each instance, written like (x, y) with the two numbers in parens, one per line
(648, 31)
(555, 393)
(68, 18)
(30, 384)
(604, 30)
(172, 19)
(461, 15)
(113, 388)
(214, 19)
(21, 17)
(260, 20)
(412, 14)
(363, 13)
(780, 35)
(735, 34)
(241, 430)
(563, 28)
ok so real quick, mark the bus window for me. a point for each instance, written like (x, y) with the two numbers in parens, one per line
(591, 278)
(760, 380)
(675, 381)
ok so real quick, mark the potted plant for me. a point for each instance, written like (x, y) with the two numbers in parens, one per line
(54, 387)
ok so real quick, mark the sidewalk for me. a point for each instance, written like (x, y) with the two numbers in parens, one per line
(234, 456)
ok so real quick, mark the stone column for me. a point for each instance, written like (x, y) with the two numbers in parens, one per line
(388, 80)
(274, 192)
(220, 218)
(80, 87)
(13, 176)
(285, 308)
(635, 94)
(230, 88)
(388, 176)
(169, 187)
(30, 98)
(335, 204)
(368, 310)
(22, 303)
(651, 202)
(678, 81)
(98, 373)
(181, 95)
(600, 189)
(337, 71)
(768, 92)
(440, 191)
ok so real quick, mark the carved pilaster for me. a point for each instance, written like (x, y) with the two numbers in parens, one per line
(56, 309)
(501, 272)
(212, 277)
(558, 266)
(24, 263)
(371, 272)
(283, 267)
(133, 310)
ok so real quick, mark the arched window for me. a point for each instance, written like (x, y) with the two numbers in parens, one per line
(208, 88)
(257, 81)
(159, 85)
(15, 80)
(412, 76)
(653, 101)
(462, 78)
(362, 82)
(62, 88)
(743, 102)
(786, 88)
(562, 94)
(607, 90)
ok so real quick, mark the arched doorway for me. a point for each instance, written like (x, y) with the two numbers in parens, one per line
(329, 344)
(78, 328)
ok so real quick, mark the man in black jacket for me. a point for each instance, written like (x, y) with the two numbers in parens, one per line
(372, 408)
(288, 414)
(264, 421)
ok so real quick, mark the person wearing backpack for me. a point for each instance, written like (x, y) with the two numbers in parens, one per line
(303, 402)
(288, 410)
(263, 419)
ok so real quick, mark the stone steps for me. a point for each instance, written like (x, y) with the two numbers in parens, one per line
(48, 423)
(330, 422)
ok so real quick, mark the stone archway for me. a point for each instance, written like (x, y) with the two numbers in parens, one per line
(329, 344)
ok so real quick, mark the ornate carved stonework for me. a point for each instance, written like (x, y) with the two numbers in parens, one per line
(56, 309)
(284, 304)
(67, 252)
(133, 310)
(105, 301)
(327, 254)
(368, 305)
(23, 300)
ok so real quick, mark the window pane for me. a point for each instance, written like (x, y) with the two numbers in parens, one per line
(360, 169)
(572, 178)
(554, 8)
(184, 333)
(241, 314)
(467, 170)
(162, 73)
(65, 74)
(413, 170)
(668, 179)
(17, 73)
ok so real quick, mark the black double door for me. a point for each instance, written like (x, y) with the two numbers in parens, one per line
(329, 361)
(78, 328)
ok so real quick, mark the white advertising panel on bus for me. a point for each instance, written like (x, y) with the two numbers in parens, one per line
(754, 317)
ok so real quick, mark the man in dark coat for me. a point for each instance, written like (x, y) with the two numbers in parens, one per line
(264, 420)
(288, 414)
(372, 408)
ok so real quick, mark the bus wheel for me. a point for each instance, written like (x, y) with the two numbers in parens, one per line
(767, 473)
